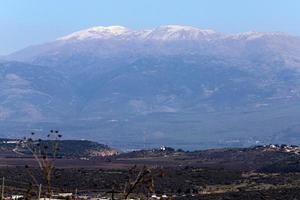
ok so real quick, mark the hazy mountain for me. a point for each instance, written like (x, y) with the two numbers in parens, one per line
(32, 93)
(169, 84)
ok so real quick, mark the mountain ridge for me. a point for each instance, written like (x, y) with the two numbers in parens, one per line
(160, 33)
(163, 30)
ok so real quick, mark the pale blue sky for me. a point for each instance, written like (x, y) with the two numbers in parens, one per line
(26, 22)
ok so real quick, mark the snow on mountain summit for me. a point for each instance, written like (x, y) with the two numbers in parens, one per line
(98, 32)
(168, 32)
(173, 32)
(252, 35)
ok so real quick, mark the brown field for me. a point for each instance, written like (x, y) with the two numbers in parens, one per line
(212, 174)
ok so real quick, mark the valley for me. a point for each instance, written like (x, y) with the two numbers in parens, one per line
(262, 172)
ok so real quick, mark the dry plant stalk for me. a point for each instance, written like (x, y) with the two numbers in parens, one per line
(45, 154)
(143, 179)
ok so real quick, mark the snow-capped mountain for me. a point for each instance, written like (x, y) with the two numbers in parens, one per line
(168, 81)
(103, 42)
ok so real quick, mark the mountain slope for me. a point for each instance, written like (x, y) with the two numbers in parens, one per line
(32, 93)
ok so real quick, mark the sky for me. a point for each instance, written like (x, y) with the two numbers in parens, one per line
(30, 22)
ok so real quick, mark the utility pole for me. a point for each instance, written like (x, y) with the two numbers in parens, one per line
(40, 191)
(2, 188)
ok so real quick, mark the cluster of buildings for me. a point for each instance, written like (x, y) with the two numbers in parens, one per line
(281, 148)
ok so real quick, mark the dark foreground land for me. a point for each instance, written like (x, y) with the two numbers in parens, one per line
(270, 172)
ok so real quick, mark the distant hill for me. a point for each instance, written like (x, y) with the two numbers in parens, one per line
(66, 148)
(268, 158)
